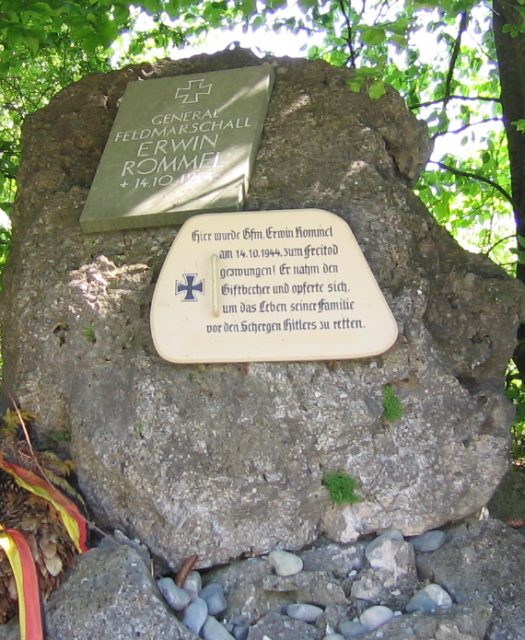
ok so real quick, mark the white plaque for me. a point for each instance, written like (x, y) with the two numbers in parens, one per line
(265, 286)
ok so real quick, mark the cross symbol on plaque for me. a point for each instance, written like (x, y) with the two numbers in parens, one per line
(193, 90)
(189, 287)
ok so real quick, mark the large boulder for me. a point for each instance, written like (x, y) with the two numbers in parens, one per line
(228, 460)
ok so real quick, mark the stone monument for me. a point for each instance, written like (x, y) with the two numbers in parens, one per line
(228, 460)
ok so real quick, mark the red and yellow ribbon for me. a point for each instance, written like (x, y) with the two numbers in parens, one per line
(19, 555)
(72, 518)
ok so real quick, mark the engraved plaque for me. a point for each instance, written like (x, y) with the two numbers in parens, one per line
(178, 146)
(266, 286)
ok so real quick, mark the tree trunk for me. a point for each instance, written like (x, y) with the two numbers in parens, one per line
(510, 52)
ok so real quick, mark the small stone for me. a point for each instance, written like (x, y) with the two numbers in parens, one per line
(195, 615)
(429, 541)
(438, 595)
(334, 636)
(213, 593)
(214, 630)
(241, 631)
(285, 563)
(420, 601)
(396, 556)
(352, 629)
(193, 584)
(392, 534)
(375, 616)
(177, 598)
(305, 612)
(429, 599)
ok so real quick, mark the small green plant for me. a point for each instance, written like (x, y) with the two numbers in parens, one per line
(59, 436)
(89, 333)
(138, 430)
(342, 487)
(392, 406)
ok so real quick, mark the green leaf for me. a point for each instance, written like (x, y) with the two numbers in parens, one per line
(32, 42)
(337, 58)
(356, 84)
(377, 90)
(273, 5)
(400, 41)
(90, 37)
(41, 8)
(306, 5)
(314, 52)
(152, 6)
(520, 125)
(248, 7)
(213, 14)
(373, 35)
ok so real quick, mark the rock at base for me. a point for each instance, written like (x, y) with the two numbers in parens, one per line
(111, 596)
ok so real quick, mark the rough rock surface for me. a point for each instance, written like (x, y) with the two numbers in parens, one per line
(457, 623)
(112, 596)
(483, 560)
(229, 460)
(281, 627)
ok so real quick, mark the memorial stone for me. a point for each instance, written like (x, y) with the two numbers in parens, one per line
(223, 460)
(179, 145)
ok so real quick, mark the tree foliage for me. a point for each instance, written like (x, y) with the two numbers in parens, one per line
(456, 91)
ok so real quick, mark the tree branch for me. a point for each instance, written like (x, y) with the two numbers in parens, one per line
(464, 127)
(419, 105)
(14, 86)
(497, 243)
(349, 40)
(475, 176)
(454, 57)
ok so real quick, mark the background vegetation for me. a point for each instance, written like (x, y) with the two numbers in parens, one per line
(460, 64)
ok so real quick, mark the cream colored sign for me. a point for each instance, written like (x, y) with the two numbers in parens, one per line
(268, 285)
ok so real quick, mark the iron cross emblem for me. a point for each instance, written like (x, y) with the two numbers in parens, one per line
(193, 91)
(189, 287)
